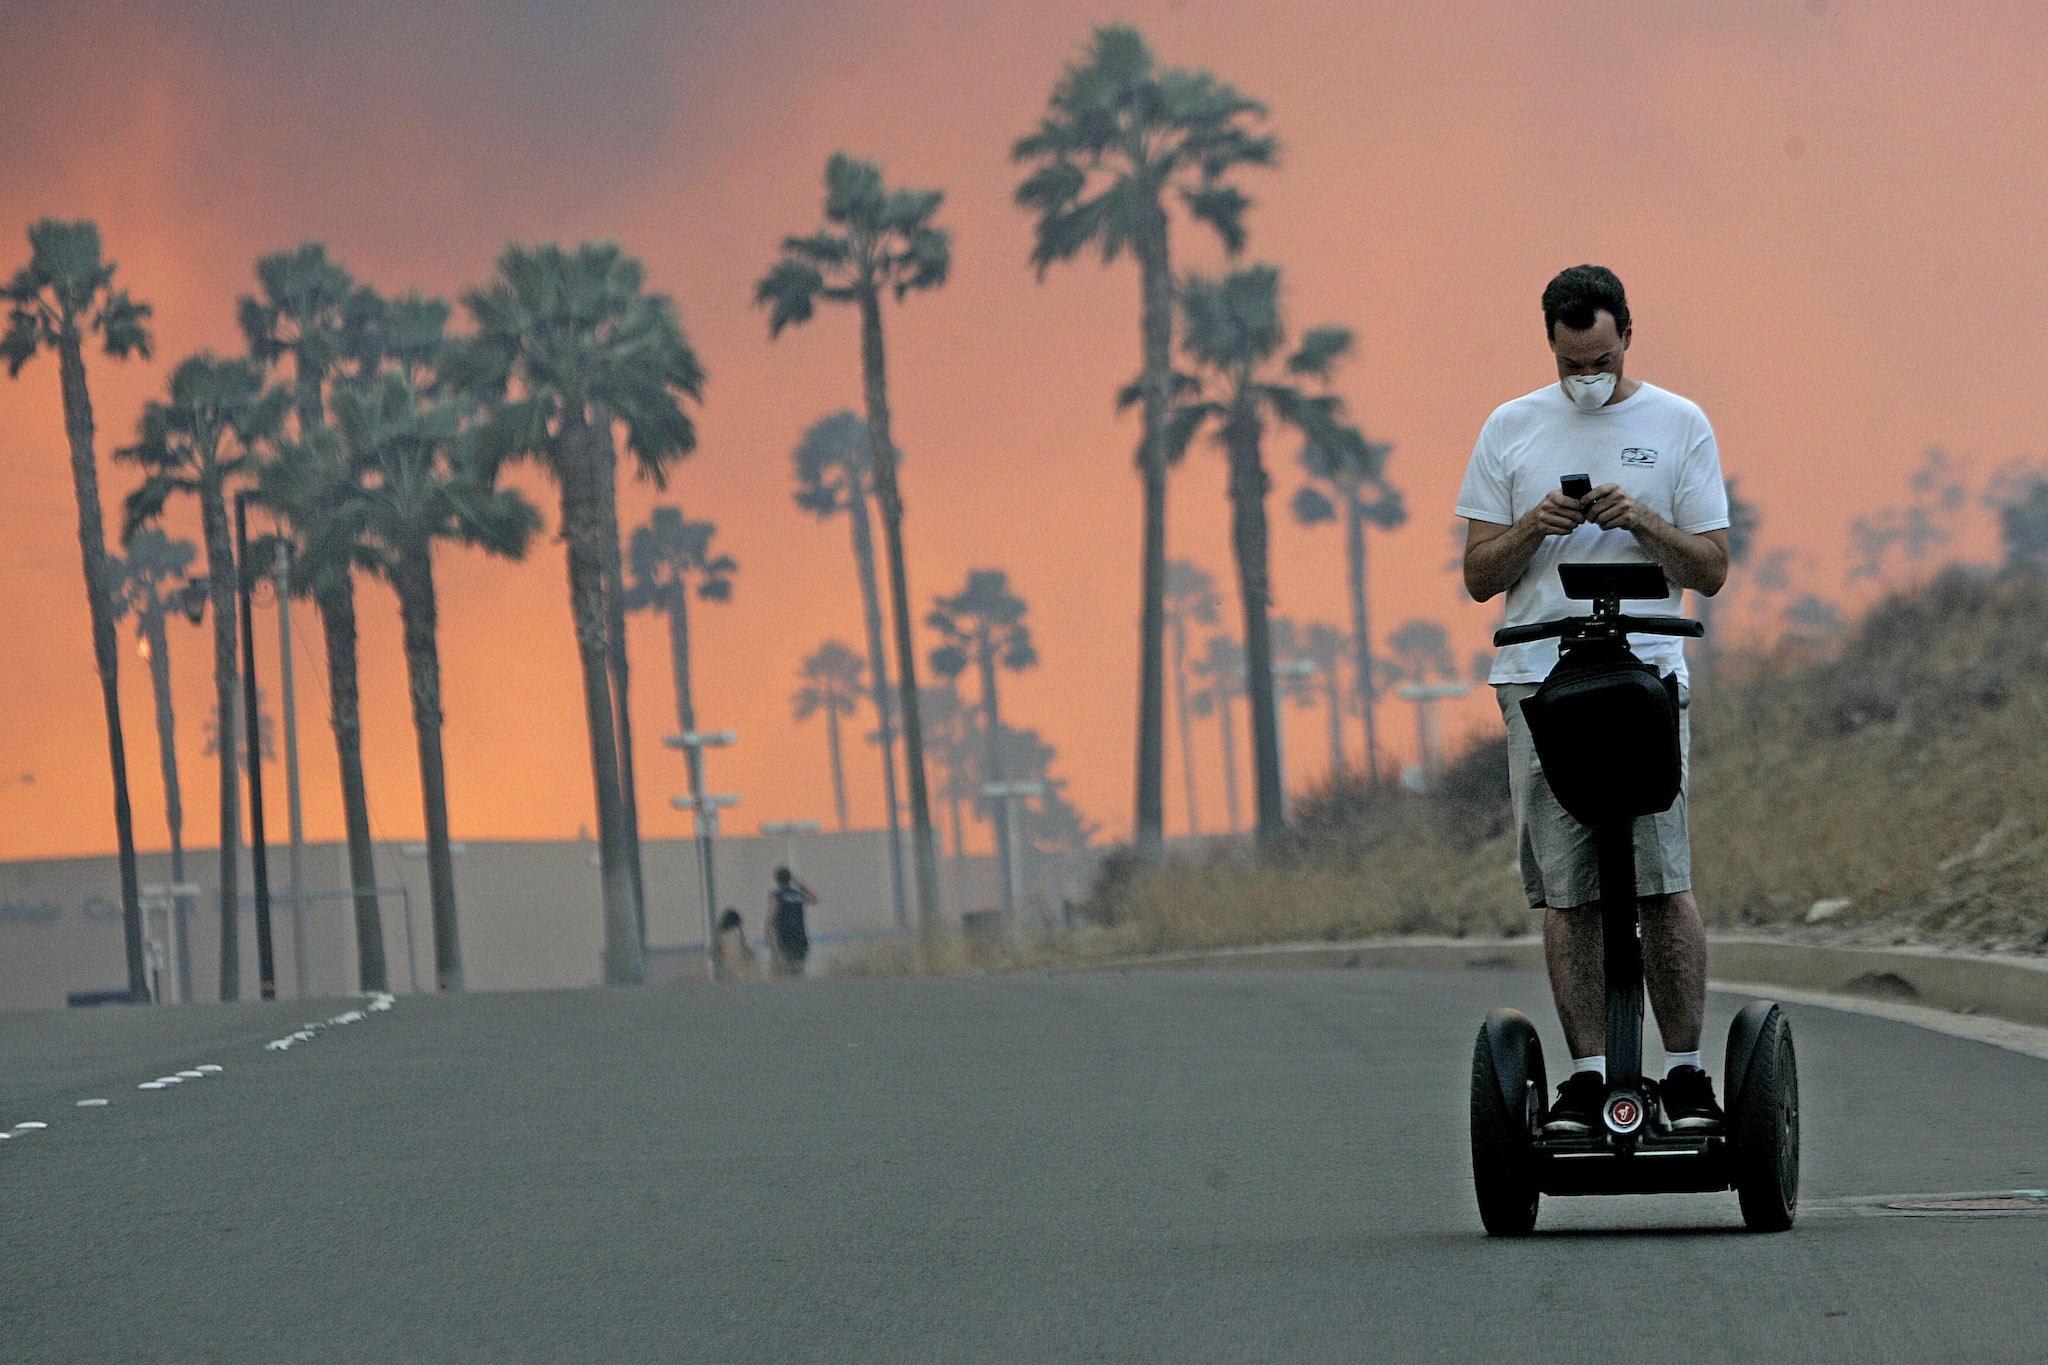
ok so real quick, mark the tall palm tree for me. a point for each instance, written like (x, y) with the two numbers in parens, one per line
(1324, 645)
(830, 685)
(1191, 599)
(982, 626)
(1121, 138)
(309, 311)
(423, 484)
(875, 242)
(155, 580)
(671, 558)
(64, 297)
(1347, 478)
(1220, 670)
(200, 441)
(949, 738)
(1235, 337)
(566, 343)
(834, 474)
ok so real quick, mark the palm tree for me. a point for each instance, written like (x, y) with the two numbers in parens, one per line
(1121, 138)
(1348, 478)
(1422, 654)
(949, 738)
(1191, 598)
(831, 685)
(311, 312)
(982, 625)
(155, 581)
(671, 557)
(423, 483)
(1234, 337)
(1324, 645)
(62, 297)
(199, 442)
(567, 342)
(834, 474)
(875, 242)
(1221, 673)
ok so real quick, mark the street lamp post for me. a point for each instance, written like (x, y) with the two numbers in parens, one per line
(1012, 795)
(705, 807)
(788, 830)
(1426, 696)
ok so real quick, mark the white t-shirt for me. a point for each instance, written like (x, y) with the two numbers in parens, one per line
(1656, 445)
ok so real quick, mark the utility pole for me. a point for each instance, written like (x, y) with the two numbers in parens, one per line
(1296, 669)
(259, 868)
(1012, 795)
(705, 807)
(291, 761)
(1428, 760)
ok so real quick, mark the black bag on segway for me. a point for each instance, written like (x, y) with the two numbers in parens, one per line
(1606, 733)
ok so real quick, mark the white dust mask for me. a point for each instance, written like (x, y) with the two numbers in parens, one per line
(1589, 392)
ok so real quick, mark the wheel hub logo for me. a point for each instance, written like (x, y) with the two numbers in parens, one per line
(1623, 1114)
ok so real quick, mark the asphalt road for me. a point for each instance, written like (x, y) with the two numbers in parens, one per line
(1172, 1166)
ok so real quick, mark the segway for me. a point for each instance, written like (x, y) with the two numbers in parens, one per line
(1600, 689)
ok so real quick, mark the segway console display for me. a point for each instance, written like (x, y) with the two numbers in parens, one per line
(1606, 730)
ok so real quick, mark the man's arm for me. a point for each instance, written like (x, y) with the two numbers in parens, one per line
(1496, 555)
(1695, 560)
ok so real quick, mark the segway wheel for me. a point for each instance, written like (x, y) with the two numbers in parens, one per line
(1507, 1096)
(1764, 1129)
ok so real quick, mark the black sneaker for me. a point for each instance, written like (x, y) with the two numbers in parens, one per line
(1578, 1105)
(1688, 1099)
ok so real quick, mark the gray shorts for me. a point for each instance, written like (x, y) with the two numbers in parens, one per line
(1558, 864)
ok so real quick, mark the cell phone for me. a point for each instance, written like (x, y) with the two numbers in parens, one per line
(1575, 486)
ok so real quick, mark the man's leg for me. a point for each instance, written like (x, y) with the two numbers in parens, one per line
(1675, 965)
(1574, 951)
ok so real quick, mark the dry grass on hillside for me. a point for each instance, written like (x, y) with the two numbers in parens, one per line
(1904, 776)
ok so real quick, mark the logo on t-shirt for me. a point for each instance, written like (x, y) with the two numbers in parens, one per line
(1638, 455)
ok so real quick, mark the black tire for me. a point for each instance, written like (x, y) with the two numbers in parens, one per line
(1503, 1176)
(1764, 1129)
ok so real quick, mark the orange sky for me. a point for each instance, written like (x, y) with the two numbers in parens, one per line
(1827, 214)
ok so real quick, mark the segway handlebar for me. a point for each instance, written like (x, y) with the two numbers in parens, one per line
(1616, 625)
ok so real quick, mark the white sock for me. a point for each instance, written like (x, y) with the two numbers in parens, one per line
(1596, 1065)
(1675, 1060)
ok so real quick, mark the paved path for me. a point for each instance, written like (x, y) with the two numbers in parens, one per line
(1235, 1165)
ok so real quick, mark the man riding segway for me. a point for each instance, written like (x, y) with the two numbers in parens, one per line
(1596, 469)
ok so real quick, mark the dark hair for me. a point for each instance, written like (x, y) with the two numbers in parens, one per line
(729, 920)
(1577, 295)
(782, 874)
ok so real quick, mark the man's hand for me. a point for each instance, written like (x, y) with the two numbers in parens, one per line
(1613, 510)
(1558, 515)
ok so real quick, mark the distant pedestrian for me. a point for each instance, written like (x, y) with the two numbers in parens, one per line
(789, 941)
(736, 960)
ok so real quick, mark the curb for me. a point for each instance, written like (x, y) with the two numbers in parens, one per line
(2012, 989)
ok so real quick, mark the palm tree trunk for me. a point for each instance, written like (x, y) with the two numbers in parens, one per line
(220, 581)
(992, 765)
(1180, 710)
(882, 458)
(92, 543)
(615, 646)
(1361, 634)
(337, 604)
(878, 679)
(174, 800)
(1333, 701)
(838, 766)
(584, 527)
(1228, 733)
(413, 577)
(1156, 328)
(959, 839)
(1248, 486)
